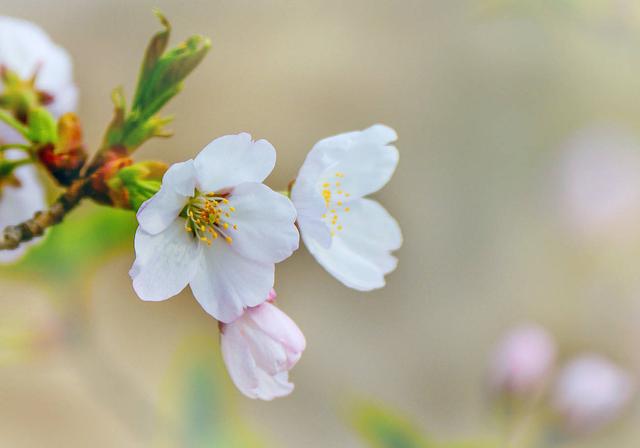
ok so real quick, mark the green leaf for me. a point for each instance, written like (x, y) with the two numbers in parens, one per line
(70, 250)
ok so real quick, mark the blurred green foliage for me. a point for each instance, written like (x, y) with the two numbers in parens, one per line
(69, 251)
(196, 408)
(384, 428)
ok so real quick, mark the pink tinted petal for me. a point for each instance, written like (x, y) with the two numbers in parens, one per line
(275, 323)
(238, 360)
(275, 386)
(258, 360)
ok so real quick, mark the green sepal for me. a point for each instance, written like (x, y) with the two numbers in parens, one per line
(163, 81)
(42, 126)
(155, 49)
(133, 185)
(18, 95)
(7, 167)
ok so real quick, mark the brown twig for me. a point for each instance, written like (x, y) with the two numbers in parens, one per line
(12, 236)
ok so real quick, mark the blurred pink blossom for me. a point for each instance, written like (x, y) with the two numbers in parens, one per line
(27, 50)
(523, 360)
(600, 182)
(590, 392)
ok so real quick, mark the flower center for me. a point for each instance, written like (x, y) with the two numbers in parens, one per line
(207, 216)
(334, 198)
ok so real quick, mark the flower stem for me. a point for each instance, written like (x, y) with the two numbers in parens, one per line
(12, 236)
(15, 124)
(15, 146)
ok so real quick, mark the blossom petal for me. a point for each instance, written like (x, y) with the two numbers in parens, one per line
(344, 167)
(273, 386)
(265, 223)
(359, 255)
(233, 159)
(274, 322)
(367, 163)
(19, 203)
(310, 207)
(250, 379)
(239, 361)
(227, 282)
(269, 354)
(165, 262)
(158, 212)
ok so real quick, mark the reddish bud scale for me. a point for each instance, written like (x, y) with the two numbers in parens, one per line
(67, 156)
(64, 166)
(101, 191)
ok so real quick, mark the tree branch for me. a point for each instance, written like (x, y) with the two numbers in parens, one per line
(12, 236)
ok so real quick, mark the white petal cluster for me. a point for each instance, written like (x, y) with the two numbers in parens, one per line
(350, 235)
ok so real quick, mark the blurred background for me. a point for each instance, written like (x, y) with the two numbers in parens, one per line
(518, 192)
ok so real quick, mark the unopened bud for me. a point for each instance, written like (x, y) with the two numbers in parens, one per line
(590, 392)
(523, 360)
(65, 157)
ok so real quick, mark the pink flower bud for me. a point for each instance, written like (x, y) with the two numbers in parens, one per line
(523, 360)
(259, 348)
(590, 392)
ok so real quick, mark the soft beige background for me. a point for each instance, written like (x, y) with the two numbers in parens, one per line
(482, 94)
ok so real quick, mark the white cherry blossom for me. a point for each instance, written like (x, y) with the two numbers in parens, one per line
(259, 349)
(27, 50)
(351, 236)
(215, 226)
(21, 195)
